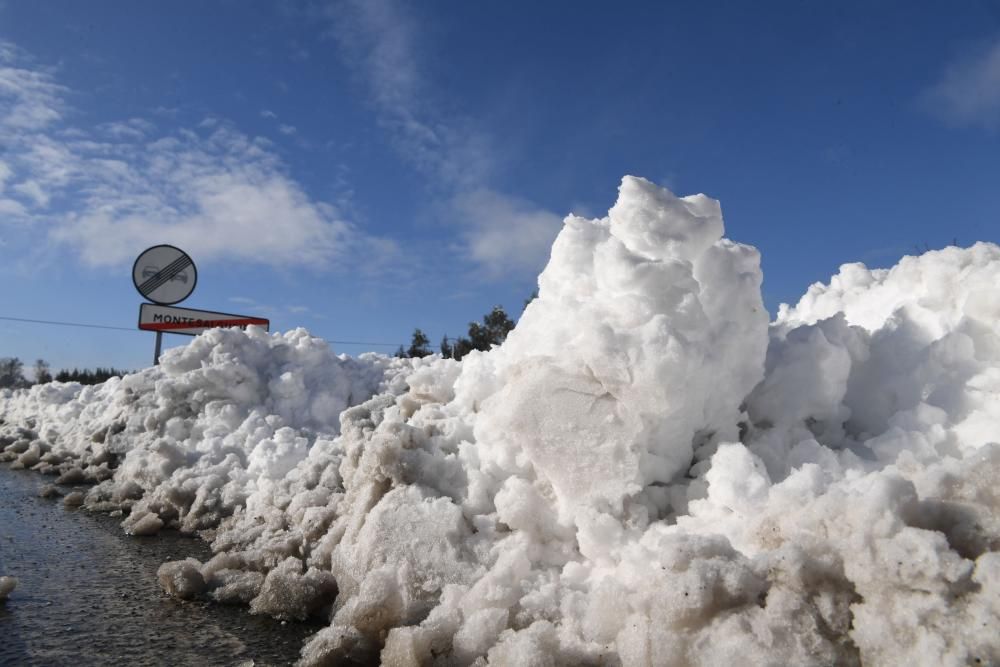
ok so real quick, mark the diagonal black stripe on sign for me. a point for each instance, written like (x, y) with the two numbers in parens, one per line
(165, 274)
(157, 278)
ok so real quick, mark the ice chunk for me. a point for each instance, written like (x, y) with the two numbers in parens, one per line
(182, 578)
(141, 522)
(7, 586)
(74, 499)
(289, 593)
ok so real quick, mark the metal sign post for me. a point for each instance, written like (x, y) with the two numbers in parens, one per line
(159, 346)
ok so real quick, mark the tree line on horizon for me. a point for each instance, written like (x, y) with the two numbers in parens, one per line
(12, 374)
(482, 336)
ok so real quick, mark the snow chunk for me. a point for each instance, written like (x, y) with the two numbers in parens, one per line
(7, 586)
(181, 579)
(288, 593)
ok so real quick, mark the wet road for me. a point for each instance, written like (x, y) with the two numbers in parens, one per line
(88, 594)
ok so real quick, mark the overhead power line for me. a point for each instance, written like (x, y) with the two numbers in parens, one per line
(65, 324)
(113, 328)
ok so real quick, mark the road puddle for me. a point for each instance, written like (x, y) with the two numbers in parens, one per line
(88, 595)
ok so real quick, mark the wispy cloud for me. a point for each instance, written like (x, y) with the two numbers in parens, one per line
(506, 235)
(502, 233)
(108, 192)
(222, 194)
(30, 99)
(133, 129)
(968, 94)
(379, 39)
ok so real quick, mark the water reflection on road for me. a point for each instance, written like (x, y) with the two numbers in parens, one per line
(88, 595)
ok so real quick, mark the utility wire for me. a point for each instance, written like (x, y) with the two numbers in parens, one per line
(105, 326)
(66, 324)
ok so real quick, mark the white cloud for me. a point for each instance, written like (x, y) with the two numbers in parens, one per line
(30, 99)
(33, 191)
(969, 92)
(287, 129)
(379, 38)
(12, 209)
(266, 113)
(109, 193)
(221, 195)
(502, 233)
(134, 129)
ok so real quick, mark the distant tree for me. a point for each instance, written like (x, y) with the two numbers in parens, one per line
(419, 344)
(461, 347)
(401, 353)
(446, 349)
(86, 376)
(11, 373)
(493, 331)
(498, 325)
(42, 371)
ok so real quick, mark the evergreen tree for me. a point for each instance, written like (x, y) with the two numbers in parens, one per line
(419, 344)
(87, 376)
(461, 348)
(446, 349)
(493, 331)
(43, 372)
(498, 325)
(401, 353)
(11, 375)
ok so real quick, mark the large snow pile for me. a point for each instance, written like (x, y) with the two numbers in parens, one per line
(645, 473)
(186, 442)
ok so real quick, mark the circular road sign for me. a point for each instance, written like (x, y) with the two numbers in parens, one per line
(164, 274)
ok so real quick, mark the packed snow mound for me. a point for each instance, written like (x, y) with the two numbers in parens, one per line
(185, 442)
(647, 334)
(645, 472)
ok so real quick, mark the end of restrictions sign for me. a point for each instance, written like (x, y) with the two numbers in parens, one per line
(191, 322)
(164, 274)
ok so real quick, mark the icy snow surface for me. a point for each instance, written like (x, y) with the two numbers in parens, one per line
(646, 473)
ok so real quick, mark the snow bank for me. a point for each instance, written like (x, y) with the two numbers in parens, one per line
(645, 473)
(184, 443)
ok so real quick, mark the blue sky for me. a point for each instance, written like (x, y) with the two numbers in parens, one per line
(364, 168)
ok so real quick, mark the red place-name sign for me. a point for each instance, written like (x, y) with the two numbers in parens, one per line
(191, 322)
